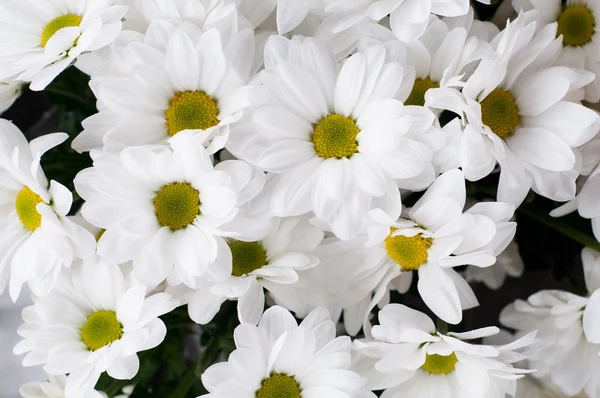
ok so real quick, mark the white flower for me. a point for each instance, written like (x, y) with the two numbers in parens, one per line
(530, 387)
(9, 92)
(338, 140)
(279, 358)
(410, 358)
(515, 110)
(95, 320)
(40, 39)
(508, 263)
(38, 239)
(569, 331)
(53, 388)
(179, 78)
(166, 208)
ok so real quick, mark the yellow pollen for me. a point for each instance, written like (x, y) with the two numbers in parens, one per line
(191, 110)
(440, 364)
(247, 257)
(335, 137)
(101, 329)
(500, 113)
(410, 252)
(58, 23)
(417, 95)
(26, 204)
(577, 25)
(177, 205)
(279, 385)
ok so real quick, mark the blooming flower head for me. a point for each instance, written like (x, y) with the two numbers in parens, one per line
(95, 320)
(409, 357)
(53, 388)
(38, 40)
(281, 359)
(38, 239)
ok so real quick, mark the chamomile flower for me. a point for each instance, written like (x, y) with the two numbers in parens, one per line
(95, 320)
(40, 38)
(243, 269)
(165, 208)
(53, 388)
(179, 78)
(38, 239)
(9, 92)
(409, 357)
(337, 139)
(281, 359)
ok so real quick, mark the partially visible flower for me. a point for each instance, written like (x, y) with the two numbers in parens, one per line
(53, 388)
(9, 92)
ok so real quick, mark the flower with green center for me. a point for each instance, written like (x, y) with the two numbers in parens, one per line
(500, 113)
(58, 23)
(279, 385)
(417, 95)
(440, 364)
(26, 204)
(177, 205)
(577, 25)
(101, 329)
(410, 252)
(335, 137)
(247, 257)
(191, 110)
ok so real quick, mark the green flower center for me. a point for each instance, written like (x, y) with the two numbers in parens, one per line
(410, 252)
(577, 25)
(500, 113)
(177, 205)
(58, 23)
(440, 364)
(191, 110)
(247, 257)
(417, 95)
(335, 137)
(101, 329)
(26, 203)
(279, 385)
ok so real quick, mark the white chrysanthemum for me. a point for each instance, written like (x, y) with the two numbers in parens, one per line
(578, 23)
(178, 79)
(9, 92)
(281, 359)
(410, 358)
(508, 263)
(37, 237)
(568, 327)
(94, 321)
(515, 110)
(41, 38)
(165, 208)
(53, 388)
(338, 140)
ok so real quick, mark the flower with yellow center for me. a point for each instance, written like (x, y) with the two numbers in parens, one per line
(440, 364)
(279, 385)
(26, 203)
(417, 95)
(335, 137)
(101, 329)
(577, 25)
(177, 205)
(191, 110)
(247, 257)
(500, 113)
(410, 252)
(58, 23)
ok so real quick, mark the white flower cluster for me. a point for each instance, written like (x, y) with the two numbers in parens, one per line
(260, 151)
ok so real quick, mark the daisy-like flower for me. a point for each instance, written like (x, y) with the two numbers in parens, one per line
(334, 134)
(569, 331)
(53, 388)
(242, 270)
(508, 263)
(38, 239)
(515, 111)
(165, 208)
(95, 320)
(578, 25)
(40, 38)
(180, 78)
(9, 92)
(281, 359)
(408, 357)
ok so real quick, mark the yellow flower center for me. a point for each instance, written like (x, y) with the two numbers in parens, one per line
(177, 205)
(417, 95)
(26, 204)
(440, 364)
(247, 257)
(410, 252)
(500, 113)
(58, 23)
(335, 137)
(101, 329)
(279, 385)
(191, 110)
(577, 25)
